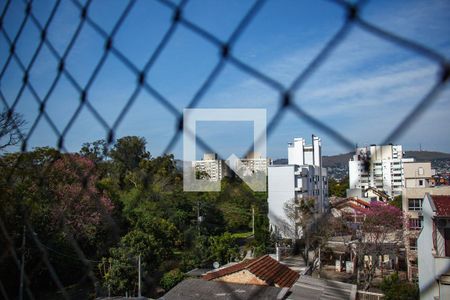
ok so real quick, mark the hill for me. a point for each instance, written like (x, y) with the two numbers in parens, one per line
(342, 159)
(427, 155)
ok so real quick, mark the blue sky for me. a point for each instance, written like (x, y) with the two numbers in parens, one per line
(363, 90)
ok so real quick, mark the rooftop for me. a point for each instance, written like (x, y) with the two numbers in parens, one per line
(442, 204)
(264, 267)
(312, 288)
(199, 289)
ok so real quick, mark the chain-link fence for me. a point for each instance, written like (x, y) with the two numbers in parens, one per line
(10, 248)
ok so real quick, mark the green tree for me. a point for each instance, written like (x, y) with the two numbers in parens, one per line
(126, 155)
(395, 289)
(96, 151)
(338, 188)
(171, 279)
(224, 248)
(152, 238)
(397, 202)
(129, 151)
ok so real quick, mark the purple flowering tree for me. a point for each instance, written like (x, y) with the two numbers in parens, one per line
(380, 235)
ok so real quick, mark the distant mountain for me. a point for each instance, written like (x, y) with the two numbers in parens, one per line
(341, 160)
(336, 160)
(427, 155)
(328, 161)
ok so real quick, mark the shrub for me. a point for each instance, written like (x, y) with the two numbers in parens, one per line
(171, 279)
(393, 289)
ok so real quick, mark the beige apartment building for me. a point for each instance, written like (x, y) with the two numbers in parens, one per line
(412, 199)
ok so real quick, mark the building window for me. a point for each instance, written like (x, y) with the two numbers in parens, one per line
(420, 171)
(447, 241)
(415, 204)
(420, 182)
(415, 224)
(413, 244)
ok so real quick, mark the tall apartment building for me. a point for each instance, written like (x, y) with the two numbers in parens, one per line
(254, 163)
(379, 167)
(303, 177)
(214, 168)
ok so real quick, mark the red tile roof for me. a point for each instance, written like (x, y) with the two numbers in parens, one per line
(442, 204)
(265, 268)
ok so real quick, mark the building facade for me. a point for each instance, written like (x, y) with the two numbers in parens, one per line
(255, 163)
(379, 167)
(412, 202)
(210, 167)
(302, 178)
(215, 169)
(434, 248)
(417, 174)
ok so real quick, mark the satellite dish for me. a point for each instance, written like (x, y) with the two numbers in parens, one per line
(216, 265)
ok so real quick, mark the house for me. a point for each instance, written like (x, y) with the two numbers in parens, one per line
(434, 248)
(259, 278)
(259, 271)
(368, 194)
(199, 289)
(352, 210)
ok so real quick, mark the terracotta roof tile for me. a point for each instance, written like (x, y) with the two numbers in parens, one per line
(264, 267)
(442, 204)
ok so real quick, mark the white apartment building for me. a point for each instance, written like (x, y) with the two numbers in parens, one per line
(303, 177)
(214, 168)
(379, 167)
(255, 163)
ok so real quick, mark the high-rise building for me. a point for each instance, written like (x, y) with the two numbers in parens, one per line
(378, 167)
(214, 169)
(210, 167)
(255, 163)
(302, 178)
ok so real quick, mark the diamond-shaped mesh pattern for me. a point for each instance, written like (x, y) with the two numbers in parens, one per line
(41, 95)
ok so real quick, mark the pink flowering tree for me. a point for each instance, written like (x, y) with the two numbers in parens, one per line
(380, 234)
(79, 207)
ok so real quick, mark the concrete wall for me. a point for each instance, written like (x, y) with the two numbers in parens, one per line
(416, 173)
(427, 283)
(243, 277)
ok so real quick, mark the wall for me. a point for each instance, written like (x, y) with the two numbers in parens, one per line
(427, 285)
(281, 185)
(243, 277)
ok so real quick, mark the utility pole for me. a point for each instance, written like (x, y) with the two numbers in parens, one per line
(22, 268)
(198, 216)
(139, 275)
(253, 220)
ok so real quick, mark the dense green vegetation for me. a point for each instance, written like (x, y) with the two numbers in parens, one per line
(395, 289)
(110, 206)
(338, 188)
